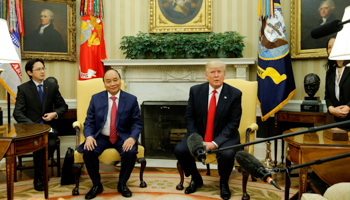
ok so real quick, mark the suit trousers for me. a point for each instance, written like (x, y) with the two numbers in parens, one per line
(225, 160)
(92, 163)
(38, 155)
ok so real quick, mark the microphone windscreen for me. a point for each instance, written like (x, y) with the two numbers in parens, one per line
(195, 142)
(248, 162)
(326, 29)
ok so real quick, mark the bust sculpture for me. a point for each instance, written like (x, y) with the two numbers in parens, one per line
(311, 84)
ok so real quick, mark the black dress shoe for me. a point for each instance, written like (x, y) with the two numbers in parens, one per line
(225, 192)
(124, 190)
(95, 190)
(39, 185)
(194, 184)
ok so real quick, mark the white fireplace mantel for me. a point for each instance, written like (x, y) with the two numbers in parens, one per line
(177, 62)
(170, 79)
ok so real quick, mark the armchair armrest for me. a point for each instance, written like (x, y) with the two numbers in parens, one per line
(77, 126)
(251, 129)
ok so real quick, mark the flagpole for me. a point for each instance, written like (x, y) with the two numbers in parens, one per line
(8, 108)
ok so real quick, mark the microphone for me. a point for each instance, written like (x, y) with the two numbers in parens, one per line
(197, 147)
(254, 167)
(327, 29)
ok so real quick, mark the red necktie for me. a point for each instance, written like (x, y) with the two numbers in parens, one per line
(113, 127)
(210, 120)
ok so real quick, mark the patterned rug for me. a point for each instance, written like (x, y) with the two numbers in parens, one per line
(160, 185)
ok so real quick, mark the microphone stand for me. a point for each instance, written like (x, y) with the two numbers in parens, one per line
(310, 130)
(289, 169)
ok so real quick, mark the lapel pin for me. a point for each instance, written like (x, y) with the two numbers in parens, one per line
(225, 97)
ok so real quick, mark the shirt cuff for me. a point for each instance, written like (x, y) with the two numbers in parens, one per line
(56, 116)
(215, 144)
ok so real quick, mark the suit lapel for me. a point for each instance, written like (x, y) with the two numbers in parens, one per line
(221, 104)
(46, 94)
(104, 105)
(121, 105)
(344, 76)
(35, 93)
(203, 101)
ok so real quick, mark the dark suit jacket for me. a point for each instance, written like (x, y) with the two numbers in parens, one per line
(50, 41)
(128, 121)
(28, 107)
(344, 93)
(227, 115)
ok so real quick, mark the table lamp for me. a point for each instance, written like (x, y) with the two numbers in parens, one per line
(341, 48)
(8, 52)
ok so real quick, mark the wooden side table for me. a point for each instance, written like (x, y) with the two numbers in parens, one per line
(285, 120)
(20, 139)
(309, 147)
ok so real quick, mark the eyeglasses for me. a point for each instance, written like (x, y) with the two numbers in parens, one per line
(38, 70)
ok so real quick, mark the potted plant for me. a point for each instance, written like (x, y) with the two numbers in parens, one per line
(136, 47)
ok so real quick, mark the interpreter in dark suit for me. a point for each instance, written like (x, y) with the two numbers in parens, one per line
(31, 108)
(218, 132)
(337, 89)
(45, 38)
(103, 129)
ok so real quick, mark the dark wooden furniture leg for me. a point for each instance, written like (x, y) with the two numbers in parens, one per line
(180, 186)
(143, 184)
(77, 172)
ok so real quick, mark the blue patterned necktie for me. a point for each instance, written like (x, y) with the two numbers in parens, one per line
(41, 99)
(41, 94)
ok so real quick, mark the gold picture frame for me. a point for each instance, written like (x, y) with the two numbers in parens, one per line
(59, 35)
(166, 16)
(305, 16)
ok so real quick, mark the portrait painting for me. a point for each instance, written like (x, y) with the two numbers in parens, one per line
(48, 30)
(308, 15)
(180, 16)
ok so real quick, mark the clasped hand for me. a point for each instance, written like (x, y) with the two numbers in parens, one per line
(340, 111)
(49, 116)
(210, 145)
(90, 144)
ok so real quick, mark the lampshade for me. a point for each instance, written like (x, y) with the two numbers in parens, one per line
(8, 52)
(341, 47)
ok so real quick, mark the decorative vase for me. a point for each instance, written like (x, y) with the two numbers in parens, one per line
(168, 55)
(189, 55)
(140, 56)
(222, 53)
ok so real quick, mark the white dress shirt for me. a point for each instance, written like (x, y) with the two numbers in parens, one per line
(106, 128)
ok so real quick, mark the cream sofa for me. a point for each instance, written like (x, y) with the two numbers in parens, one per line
(339, 191)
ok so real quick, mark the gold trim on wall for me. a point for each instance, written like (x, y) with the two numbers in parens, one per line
(161, 19)
(297, 52)
(302, 44)
(70, 36)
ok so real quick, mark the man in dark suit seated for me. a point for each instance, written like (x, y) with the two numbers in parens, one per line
(112, 121)
(38, 101)
(214, 112)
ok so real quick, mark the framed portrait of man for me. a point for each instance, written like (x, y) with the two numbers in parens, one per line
(178, 16)
(307, 15)
(49, 30)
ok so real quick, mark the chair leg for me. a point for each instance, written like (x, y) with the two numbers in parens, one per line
(180, 186)
(58, 159)
(245, 174)
(77, 171)
(143, 184)
(208, 169)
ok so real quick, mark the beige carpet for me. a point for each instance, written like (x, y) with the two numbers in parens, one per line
(159, 186)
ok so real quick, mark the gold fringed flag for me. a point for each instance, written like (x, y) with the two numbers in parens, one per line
(92, 44)
(11, 78)
(275, 77)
